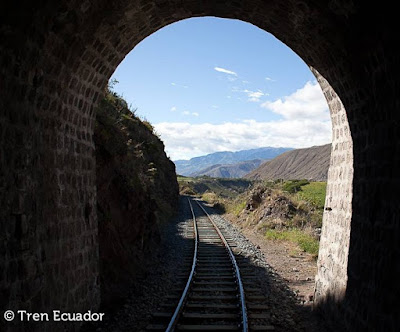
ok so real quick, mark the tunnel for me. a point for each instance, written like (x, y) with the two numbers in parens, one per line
(56, 58)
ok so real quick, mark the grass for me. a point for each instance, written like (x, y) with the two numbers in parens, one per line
(305, 241)
(314, 192)
(238, 207)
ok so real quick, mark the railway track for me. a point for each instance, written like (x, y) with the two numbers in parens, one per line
(215, 291)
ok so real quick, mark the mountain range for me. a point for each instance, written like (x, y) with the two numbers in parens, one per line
(201, 164)
(237, 170)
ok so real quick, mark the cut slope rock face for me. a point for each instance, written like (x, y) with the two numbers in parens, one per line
(310, 163)
(137, 191)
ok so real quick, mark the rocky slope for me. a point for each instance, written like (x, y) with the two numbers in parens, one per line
(236, 170)
(310, 163)
(137, 191)
(188, 167)
(270, 207)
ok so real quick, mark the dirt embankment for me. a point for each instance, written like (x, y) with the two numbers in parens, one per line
(296, 267)
(267, 209)
(137, 191)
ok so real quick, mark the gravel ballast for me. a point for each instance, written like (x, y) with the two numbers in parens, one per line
(163, 265)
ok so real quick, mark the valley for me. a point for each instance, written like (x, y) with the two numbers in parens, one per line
(272, 163)
(199, 165)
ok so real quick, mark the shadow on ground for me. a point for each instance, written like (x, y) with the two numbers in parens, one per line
(149, 290)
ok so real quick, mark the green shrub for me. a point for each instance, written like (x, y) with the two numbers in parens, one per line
(294, 186)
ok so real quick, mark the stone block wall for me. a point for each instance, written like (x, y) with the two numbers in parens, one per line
(331, 280)
(56, 57)
(48, 226)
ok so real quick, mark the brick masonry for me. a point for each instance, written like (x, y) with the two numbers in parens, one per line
(331, 280)
(55, 59)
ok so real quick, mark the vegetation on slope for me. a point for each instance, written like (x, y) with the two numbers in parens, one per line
(314, 192)
(137, 191)
(220, 187)
(281, 210)
(305, 241)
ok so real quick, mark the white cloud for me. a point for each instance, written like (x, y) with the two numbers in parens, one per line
(188, 113)
(269, 79)
(179, 85)
(254, 95)
(251, 95)
(173, 109)
(215, 106)
(226, 71)
(306, 103)
(185, 140)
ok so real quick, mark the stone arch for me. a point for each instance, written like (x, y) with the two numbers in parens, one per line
(57, 56)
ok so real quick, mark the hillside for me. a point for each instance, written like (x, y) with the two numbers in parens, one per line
(189, 167)
(236, 170)
(290, 210)
(310, 163)
(225, 188)
(137, 191)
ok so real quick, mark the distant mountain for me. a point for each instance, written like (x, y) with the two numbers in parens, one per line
(188, 167)
(311, 163)
(236, 170)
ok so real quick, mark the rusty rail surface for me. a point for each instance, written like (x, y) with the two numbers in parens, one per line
(237, 272)
(182, 301)
(213, 296)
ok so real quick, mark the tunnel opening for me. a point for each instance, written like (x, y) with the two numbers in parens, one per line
(341, 160)
(56, 59)
(144, 82)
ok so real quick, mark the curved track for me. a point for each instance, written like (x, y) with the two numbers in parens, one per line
(213, 296)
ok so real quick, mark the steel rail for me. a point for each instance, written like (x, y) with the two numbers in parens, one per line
(182, 301)
(245, 327)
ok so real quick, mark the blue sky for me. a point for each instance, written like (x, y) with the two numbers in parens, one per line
(210, 84)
